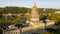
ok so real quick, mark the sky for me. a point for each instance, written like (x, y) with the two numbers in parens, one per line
(29, 3)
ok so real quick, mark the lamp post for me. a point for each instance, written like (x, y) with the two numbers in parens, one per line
(21, 30)
(45, 23)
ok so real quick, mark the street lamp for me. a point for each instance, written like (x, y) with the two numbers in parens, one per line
(45, 23)
(21, 30)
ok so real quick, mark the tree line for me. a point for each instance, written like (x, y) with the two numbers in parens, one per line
(49, 13)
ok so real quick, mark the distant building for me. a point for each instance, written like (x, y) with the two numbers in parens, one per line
(49, 22)
(57, 11)
(11, 30)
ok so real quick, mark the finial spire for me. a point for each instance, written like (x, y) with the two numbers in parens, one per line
(34, 3)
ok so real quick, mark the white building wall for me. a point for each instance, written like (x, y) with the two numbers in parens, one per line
(12, 32)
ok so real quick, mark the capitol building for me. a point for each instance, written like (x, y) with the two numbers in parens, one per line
(34, 24)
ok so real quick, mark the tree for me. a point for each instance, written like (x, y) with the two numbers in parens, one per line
(58, 29)
(46, 33)
(57, 23)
